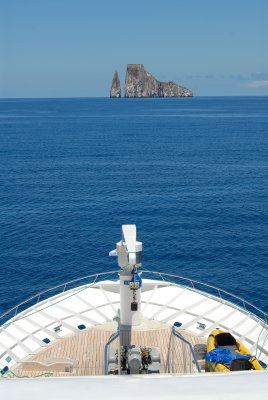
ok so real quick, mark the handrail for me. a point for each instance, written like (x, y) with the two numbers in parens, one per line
(106, 348)
(179, 336)
(192, 282)
(64, 285)
(211, 287)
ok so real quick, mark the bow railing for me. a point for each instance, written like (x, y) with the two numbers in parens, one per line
(211, 291)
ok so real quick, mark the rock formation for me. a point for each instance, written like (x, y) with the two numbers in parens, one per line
(140, 83)
(115, 88)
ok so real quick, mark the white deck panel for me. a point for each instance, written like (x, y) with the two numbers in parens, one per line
(161, 301)
(31, 344)
(19, 352)
(246, 326)
(164, 313)
(95, 315)
(16, 332)
(204, 307)
(39, 319)
(113, 297)
(254, 334)
(7, 340)
(187, 299)
(2, 348)
(234, 319)
(75, 304)
(166, 294)
(108, 312)
(150, 310)
(95, 297)
(55, 311)
(223, 310)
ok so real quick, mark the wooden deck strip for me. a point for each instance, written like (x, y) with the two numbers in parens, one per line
(86, 350)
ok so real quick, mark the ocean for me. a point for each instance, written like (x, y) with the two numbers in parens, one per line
(191, 173)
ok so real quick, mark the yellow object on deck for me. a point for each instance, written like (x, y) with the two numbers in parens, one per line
(221, 339)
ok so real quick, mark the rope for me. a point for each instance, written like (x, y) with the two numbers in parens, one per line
(47, 374)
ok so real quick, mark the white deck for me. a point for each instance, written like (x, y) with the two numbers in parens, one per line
(23, 335)
(245, 386)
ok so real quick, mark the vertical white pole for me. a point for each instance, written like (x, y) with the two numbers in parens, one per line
(127, 316)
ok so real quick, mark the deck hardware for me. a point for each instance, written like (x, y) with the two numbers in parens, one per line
(4, 370)
(57, 328)
(106, 349)
(134, 306)
(201, 326)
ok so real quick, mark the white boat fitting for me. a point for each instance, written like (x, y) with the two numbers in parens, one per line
(157, 322)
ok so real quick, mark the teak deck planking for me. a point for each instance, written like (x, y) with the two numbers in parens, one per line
(86, 350)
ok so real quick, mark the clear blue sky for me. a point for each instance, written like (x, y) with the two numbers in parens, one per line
(70, 48)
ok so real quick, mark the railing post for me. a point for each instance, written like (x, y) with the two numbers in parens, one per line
(179, 336)
(106, 349)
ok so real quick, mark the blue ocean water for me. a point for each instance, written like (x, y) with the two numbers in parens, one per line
(191, 173)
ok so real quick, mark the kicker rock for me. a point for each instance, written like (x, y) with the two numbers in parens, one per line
(115, 88)
(140, 83)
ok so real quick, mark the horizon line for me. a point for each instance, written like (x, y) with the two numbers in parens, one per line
(127, 98)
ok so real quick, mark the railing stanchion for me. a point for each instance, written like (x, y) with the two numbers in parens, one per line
(179, 336)
(106, 351)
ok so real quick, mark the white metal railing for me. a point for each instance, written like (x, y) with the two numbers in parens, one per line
(114, 336)
(179, 336)
(90, 280)
(221, 295)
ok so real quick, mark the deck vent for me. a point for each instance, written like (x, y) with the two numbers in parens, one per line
(46, 340)
(177, 324)
(81, 327)
(8, 359)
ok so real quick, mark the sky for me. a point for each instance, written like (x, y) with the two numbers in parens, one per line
(70, 48)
